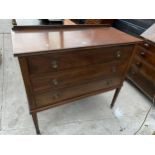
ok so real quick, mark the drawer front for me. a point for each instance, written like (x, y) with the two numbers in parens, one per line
(71, 59)
(144, 84)
(54, 96)
(146, 55)
(145, 69)
(78, 76)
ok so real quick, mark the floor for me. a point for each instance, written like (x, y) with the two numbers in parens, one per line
(89, 116)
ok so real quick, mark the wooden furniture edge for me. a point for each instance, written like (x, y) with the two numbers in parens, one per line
(70, 49)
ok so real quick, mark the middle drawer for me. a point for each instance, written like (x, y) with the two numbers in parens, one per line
(77, 76)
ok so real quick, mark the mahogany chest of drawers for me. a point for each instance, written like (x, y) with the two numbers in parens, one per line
(60, 64)
(142, 71)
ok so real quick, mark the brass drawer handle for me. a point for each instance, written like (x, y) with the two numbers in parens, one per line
(138, 64)
(143, 54)
(55, 82)
(146, 45)
(55, 95)
(54, 64)
(118, 54)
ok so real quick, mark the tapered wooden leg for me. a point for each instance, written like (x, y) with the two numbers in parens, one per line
(35, 120)
(115, 97)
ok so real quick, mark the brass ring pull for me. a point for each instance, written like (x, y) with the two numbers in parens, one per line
(146, 45)
(142, 54)
(55, 82)
(118, 54)
(54, 64)
(138, 64)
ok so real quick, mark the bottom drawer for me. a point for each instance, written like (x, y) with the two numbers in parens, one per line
(60, 95)
(141, 82)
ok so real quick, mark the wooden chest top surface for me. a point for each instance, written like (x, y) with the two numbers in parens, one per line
(32, 40)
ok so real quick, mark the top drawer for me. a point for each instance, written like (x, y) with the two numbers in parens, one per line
(46, 63)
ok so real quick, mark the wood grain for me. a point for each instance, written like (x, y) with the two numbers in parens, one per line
(142, 72)
(55, 96)
(141, 82)
(31, 41)
(66, 60)
(80, 61)
(77, 76)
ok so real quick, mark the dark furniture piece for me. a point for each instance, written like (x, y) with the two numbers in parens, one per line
(94, 21)
(142, 71)
(133, 26)
(40, 22)
(78, 21)
(61, 64)
(100, 21)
